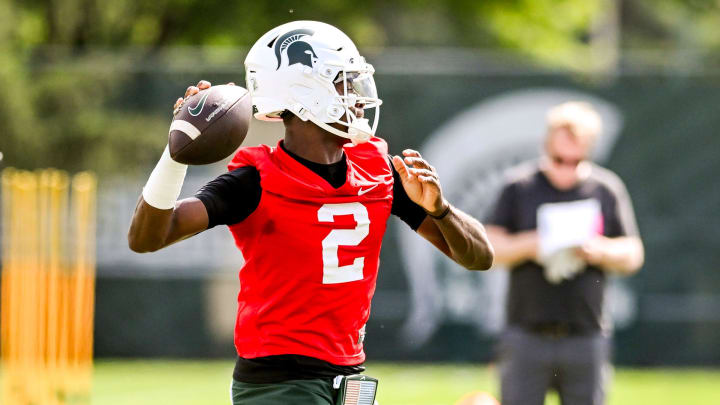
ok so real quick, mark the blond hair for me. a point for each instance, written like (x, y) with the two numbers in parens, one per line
(578, 117)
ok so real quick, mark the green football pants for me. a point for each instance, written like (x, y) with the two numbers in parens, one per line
(294, 392)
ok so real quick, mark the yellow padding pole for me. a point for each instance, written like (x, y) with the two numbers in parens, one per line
(48, 287)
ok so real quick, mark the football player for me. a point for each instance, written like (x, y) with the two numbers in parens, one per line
(308, 214)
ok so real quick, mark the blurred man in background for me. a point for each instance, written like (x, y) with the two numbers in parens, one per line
(561, 225)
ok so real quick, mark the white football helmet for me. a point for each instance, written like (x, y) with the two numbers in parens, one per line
(296, 67)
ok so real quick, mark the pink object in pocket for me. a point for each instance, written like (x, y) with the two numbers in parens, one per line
(599, 225)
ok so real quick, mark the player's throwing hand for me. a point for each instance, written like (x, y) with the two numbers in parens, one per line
(191, 90)
(421, 183)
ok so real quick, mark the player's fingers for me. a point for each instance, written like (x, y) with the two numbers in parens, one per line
(411, 153)
(418, 162)
(401, 168)
(421, 172)
(191, 90)
(178, 103)
(203, 84)
(429, 180)
(429, 167)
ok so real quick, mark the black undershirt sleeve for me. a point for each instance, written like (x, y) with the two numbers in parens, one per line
(403, 207)
(231, 197)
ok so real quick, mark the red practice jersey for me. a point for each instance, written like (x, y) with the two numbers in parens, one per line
(311, 254)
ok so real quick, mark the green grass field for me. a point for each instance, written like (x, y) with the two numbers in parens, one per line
(125, 382)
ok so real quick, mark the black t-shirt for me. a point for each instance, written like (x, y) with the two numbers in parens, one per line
(232, 197)
(578, 302)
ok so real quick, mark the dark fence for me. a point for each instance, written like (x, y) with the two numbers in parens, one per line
(472, 116)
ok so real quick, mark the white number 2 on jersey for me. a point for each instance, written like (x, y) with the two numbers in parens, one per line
(332, 272)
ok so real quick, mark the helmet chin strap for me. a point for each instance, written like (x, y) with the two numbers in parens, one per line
(356, 135)
(356, 138)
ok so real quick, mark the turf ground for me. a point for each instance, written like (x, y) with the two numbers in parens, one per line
(124, 382)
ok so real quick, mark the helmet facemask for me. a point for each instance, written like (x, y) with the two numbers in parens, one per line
(356, 96)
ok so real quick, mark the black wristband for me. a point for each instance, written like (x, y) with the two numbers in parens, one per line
(441, 216)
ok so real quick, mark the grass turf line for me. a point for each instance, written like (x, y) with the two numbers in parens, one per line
(141, 382)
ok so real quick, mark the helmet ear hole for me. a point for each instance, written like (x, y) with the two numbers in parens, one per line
(335, 111)
(326, 72)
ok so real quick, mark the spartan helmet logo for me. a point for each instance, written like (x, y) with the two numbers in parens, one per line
(297, 51)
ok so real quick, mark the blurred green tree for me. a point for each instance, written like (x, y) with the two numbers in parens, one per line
(60, 115)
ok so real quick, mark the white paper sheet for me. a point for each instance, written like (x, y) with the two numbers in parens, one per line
(561, 228)
(568, 224)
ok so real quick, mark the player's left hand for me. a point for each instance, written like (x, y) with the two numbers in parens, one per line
(420, 181)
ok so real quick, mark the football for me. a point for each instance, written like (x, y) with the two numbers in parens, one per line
(210, 125)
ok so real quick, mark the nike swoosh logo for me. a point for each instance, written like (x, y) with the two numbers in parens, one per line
(361, 191)
(195, 111)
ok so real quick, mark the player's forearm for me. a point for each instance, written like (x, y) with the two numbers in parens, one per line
(149, 228)
(512, 248)
(623, 255)
(159, 218)
(466, 239)
(153, 229)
